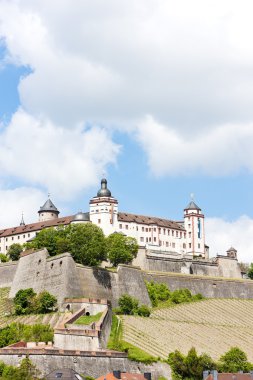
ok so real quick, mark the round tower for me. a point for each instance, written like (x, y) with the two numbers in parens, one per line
(48, 211)
(195, 231)
(81, 217)
(104, 209)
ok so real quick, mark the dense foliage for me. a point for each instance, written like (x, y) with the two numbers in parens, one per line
(191, 366)
(86, 242)
(16, 332)
(14, 251)
(250, 271)
(26, 371)
(121, 249)
(160, 293)
(129, 306)
(3, 258)
(26, 301)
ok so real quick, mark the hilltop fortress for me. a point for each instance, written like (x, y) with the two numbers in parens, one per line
(164, 245)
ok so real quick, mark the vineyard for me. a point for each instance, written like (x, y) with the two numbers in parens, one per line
(6, 317)
(211, 326)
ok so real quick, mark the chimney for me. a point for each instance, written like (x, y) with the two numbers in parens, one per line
(147, 375)
(215, 374)
(117, 374)
(205, 374)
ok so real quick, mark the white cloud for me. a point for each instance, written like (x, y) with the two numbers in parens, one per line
(221, 235)
(62, 161)
(14, 202)
(220, 151)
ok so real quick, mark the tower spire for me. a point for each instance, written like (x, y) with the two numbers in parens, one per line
(22, 223)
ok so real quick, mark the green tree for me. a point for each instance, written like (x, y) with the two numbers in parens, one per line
(128, 305)
(121, 249)
(45, 238)
(250, 271)
(191, 366)
(23, 301)
(86, 243)
(234, 360)
(4, 258)
(44, 302)
(14, 251)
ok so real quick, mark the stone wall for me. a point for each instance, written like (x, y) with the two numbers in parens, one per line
(93, 364)
(7, 273)
(210, 287)
(56, 274)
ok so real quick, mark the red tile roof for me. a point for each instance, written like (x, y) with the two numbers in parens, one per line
(150, 220)
(35, 226)
(123, 376)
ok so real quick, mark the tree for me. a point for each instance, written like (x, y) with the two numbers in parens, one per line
(121, 249)
(128, 305)
(86, 243)
(14, 251)
(250, 271)
(234, 360)
(45, 238)
(3, 258)
(44, 302)
(23, 301)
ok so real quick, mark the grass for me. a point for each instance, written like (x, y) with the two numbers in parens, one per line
(88, 319)
(116, 342)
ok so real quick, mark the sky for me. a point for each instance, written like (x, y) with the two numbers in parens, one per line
(156, 95)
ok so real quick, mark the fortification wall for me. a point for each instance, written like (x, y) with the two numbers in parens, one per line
(93, 366)
(7, 273)
(56, 274)
(210, 287)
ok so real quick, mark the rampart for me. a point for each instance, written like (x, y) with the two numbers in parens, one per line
(63, 278)
(92, 363)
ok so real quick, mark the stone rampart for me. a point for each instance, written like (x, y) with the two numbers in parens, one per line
(92, 364)
(7, 273)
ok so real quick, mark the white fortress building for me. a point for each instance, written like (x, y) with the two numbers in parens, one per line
(177, 238)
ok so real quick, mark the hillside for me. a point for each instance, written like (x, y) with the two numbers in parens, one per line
(6, 307)
(212, 326)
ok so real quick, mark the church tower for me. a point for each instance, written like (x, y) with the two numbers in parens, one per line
(195, 232)
(48, 211)
(104, 209)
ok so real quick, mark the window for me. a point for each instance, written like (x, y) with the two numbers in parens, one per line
(18, 237)
(169, 232)
(120, 226)
(147, 240)
(164, 231)
(12, 238)
(173, 245)
(146, 229)
(190, 245)
(6, 239)
(172, 233)
(184, 245)
(190, 234)
(23, 236)
(142, 239)
(167, 244)
(142, 228)
(154, 238)
(159, 230)
(176, 233)
(180, 234)
(6, 247)
(149, 229)
(136, 228)
(185, 235)
(198, 245)
(28, 235)
(52, 214)
(99, 221)
(154, 229)
(126, 226)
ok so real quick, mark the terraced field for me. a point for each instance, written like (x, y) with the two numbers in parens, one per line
(6, 307)
(212, 326)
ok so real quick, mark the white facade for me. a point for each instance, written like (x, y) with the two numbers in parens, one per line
(153, 233)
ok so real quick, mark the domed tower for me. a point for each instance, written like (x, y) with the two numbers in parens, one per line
(195, 231)
(81, 217)
(48, 211)
(104, 209)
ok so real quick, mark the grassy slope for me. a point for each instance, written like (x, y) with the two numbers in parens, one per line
(212, 326)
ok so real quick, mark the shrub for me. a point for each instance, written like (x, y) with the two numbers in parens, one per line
(128, 305)
(181, 295)
(26, 301)
(157, 292)
(143, 311)
(3, 258)
(14, 251)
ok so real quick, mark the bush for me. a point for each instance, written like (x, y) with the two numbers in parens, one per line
(143, 311)
(128, 305)
(157, 292)
(17, 331)
(14, 251)
(26, 301)
(181, 295)
(3, 258)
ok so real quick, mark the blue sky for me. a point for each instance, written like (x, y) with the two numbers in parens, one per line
(157, 95)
